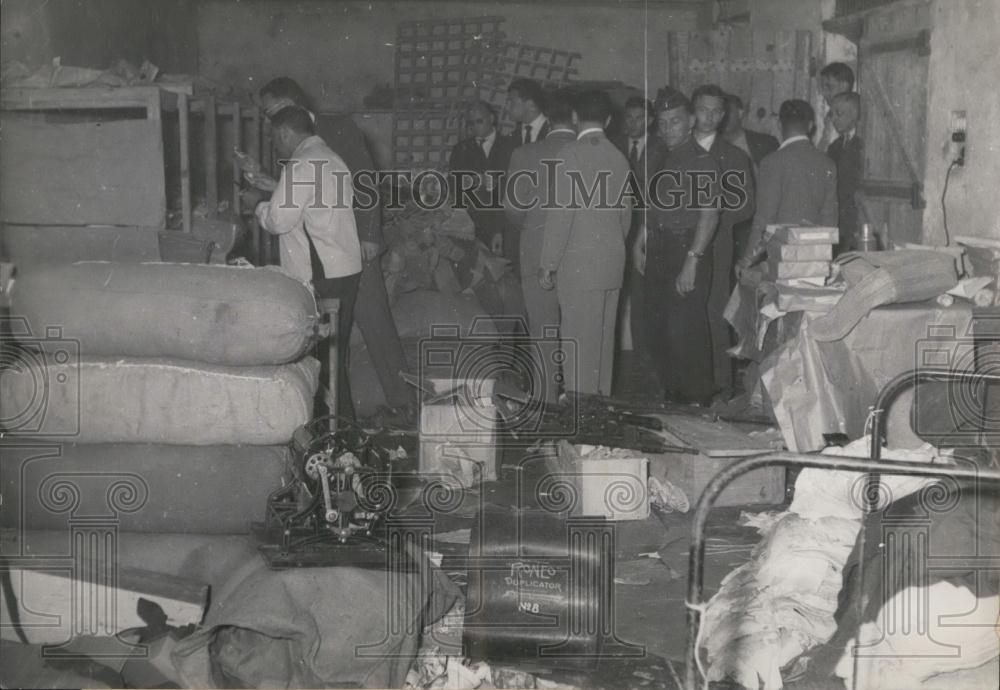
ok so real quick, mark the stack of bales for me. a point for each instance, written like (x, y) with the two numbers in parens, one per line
(177, 386)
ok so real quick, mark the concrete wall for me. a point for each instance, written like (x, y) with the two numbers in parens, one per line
(964, 72)
(97, 33)
(339, 50)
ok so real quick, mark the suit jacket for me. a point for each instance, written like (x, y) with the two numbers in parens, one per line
(348, 141)
(467, 155)
(583, 243)
(731, 158)
(849, 168)
(796, 184)
(650, 159)
(760, 144)
(525, 192)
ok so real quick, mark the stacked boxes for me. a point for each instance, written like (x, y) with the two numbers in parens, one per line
(797, 255)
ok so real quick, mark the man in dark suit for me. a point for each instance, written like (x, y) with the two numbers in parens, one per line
(371, 305)
(527, 197)
(678, 249)
(479, 164)
(709, 110)
(834, 79)
(526, 105)
(754, 144)
(846, 153)
(797, 183)
(645, 151)
(583, 251)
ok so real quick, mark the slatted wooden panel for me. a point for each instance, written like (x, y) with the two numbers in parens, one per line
(893, 59)
(424, 138)
(106, 173)
(439, 67)
(551, 68)
(442, 60)
(763, 68)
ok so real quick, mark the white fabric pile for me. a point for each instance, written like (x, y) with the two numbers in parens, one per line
(940, 637)
(781, 604)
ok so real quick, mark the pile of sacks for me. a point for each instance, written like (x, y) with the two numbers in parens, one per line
(438, 250)
(180, 384)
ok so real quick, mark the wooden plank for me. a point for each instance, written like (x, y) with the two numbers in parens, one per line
(185, 145)
(715, 439)
(78, 98)
(238, 143)
(108, 173)
(211, 153)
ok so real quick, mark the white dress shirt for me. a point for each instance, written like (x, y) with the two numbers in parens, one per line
(536, 127)
(315, 196)
(487, 143)
(706, 141)
(792, 140)
(640, 146)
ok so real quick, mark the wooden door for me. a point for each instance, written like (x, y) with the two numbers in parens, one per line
(763, 68)
(893, 57)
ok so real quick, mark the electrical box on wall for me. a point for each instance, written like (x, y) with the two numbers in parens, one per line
(959, 129)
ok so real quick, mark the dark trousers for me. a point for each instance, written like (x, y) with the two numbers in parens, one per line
(677, 331)
(375, 322)
(345, 289)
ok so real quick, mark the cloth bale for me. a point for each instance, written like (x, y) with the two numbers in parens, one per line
(205, 313)
(203, 489)
(94, 400)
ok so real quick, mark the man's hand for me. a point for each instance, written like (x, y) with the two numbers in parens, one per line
(639, 251)
(685, 281)
(546, 278)
(741, 268)
(369, 251)
(496, 244)
(261, 181)
(261, 213)
(249, 198)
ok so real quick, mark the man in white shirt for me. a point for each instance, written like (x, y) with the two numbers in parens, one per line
(311, 212)
(526, 103)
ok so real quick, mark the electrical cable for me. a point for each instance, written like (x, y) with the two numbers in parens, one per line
(944, 204)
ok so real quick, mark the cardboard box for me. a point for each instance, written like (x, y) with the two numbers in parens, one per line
(692, 473)
(800, 252)
(458, 434)
(615, 488)
(803, 234)
(800, 269)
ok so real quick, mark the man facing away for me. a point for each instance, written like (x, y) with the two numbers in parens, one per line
(846, 151)
(583, 251)
(528, 191)
(682, 220)
(310, 212)
(372, 311)
(797, 183)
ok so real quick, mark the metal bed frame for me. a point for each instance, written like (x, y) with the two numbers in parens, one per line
(871, 465)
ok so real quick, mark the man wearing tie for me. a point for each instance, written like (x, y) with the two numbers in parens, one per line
(645, 151)
(480, 162)
(526, 105)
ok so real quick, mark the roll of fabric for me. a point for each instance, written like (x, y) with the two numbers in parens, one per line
(204, 313)
(93, 400)
(877, 278)
(144, 487)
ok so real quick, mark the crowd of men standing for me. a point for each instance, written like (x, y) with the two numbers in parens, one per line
(677, 262)
(670, 211)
